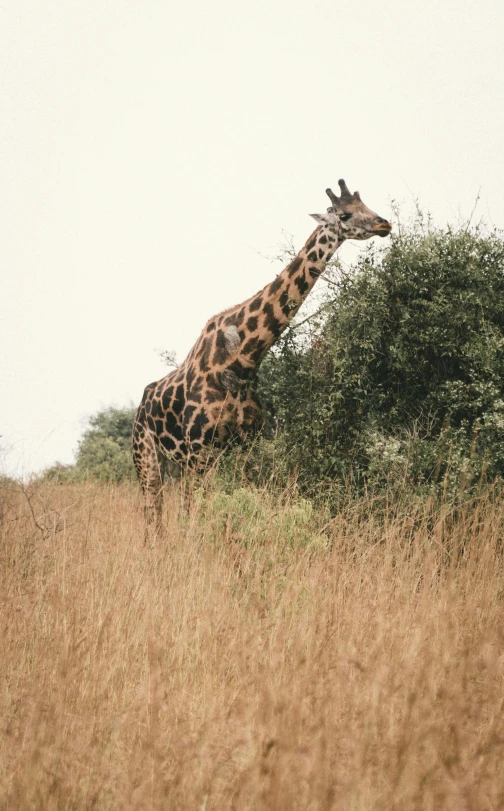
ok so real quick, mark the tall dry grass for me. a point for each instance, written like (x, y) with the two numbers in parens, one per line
(259, 657)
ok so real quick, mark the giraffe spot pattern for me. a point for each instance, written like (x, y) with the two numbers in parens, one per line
(211, 397)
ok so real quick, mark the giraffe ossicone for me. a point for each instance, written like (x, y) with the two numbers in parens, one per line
(211, 396)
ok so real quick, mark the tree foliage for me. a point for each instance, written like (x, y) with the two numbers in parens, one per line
(105, 448)
(104, 451)
(404, 380)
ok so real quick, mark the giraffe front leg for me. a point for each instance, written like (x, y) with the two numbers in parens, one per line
(251, 416)
(177, 472)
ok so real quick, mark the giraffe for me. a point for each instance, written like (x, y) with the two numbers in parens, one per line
(210, 397)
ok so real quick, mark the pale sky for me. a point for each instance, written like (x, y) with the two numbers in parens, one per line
(152, 152)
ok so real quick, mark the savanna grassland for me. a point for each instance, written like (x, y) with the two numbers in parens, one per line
(263, 655)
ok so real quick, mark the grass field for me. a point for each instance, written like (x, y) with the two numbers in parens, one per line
(261, 656)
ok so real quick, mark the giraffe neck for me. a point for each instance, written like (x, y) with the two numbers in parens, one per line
(273, 308)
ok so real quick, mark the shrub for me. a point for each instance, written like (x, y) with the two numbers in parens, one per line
(104, 452)
(404, 382)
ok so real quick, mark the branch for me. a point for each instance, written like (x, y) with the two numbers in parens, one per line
(28, 498)
(473, 210)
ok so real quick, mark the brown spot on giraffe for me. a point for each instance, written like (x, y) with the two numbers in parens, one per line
(211, 396)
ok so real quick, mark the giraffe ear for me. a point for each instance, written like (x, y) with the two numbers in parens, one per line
(320, 218)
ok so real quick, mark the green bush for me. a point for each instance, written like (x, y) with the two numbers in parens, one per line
(104, 452)
(247, 514)
(404, 383)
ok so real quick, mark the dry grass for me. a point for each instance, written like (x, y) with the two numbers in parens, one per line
(249, 661)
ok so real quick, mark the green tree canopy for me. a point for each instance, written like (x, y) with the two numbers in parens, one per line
(406, 375)
(104, 451)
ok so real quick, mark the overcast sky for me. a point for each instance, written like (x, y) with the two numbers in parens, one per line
(152, 152)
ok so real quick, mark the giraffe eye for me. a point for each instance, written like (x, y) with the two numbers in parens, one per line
(345, 217)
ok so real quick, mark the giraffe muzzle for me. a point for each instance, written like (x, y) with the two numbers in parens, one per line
(382, 229)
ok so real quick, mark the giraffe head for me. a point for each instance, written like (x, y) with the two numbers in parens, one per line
(350, 217)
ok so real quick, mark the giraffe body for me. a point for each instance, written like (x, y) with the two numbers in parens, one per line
(210, 397)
